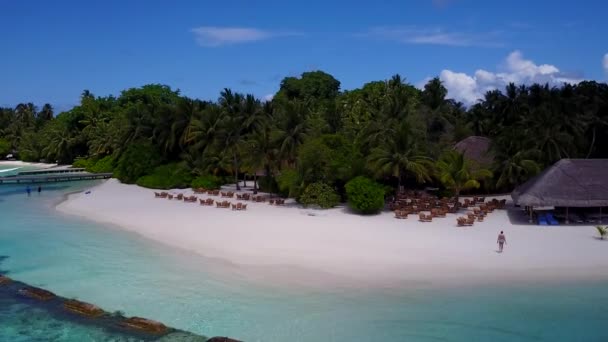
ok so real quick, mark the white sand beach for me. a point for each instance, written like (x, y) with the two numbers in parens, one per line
(19, 163)
(367, 250)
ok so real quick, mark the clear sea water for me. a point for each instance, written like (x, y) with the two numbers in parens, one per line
(118, 270)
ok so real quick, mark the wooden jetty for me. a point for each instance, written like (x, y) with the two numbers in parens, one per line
(52, 178)
(52, 170)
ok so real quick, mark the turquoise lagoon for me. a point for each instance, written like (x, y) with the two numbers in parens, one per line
(118, 270)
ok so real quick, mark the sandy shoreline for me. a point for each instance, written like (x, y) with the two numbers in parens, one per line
(19, 163)
(287, 242)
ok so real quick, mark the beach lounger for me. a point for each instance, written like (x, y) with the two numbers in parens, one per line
(542, 220)
(551, 220)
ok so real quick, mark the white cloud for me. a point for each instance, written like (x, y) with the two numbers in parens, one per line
(433, 36)
(605, 63)
(268, 97)
(516, 69)
(212, 36)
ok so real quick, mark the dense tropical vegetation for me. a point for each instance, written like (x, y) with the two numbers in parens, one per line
(313, 137)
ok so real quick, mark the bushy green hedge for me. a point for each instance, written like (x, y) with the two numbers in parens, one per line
(5, 148)
(168, 176)
(82, 163)
(364, 195)
(138, 160)
(206, 182)
(105, 164)
(288, 183)
(320, 194)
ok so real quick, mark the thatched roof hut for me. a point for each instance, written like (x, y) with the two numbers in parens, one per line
(568, 183)
(476, 148)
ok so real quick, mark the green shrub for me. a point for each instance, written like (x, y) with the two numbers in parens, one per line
(206, 182)
(364, 195)
(82, 163)
(5, 148)
(168, 176)
(320, 194)
(288, 183)
(138, 160)
(103, 165)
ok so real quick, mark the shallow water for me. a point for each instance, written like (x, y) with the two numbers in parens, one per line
(118, 270)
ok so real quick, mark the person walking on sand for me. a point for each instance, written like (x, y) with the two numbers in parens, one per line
(28, 190)
(39, 189)
(501, 241)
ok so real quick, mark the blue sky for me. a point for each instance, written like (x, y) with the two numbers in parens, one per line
(52, 50)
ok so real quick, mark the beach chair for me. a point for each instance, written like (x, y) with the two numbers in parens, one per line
(169, 196)
(480, 218)
(201, 201)
(233, 206)
(239, 206)
(271, 202)
(156, 194)
(542, 220)
(164, 194)
(244, 207)
(463, 221)
(502, 203)
(470, 221)
(551, 220)
(180, 197)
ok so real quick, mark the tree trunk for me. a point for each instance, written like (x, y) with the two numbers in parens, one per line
(399, 183)
(592, 143)
(245, 180)
(255, 181)
(236, 173)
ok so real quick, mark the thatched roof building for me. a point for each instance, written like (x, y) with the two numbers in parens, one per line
(476, 148)
(568, 183)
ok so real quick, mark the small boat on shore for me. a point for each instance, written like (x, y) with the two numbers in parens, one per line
(144, 325)
(82, 308)
(222, 339)
(37, 293)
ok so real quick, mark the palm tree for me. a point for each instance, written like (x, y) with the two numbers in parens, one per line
(46, 113)
(231, 136)
(292, 130)
(203, 130)
(59, 143)
(517, 168)
(399, 156)
(457, 173)
(261, 153)
(602, 231)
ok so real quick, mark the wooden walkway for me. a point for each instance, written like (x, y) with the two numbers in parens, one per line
(52, 178)
(52, 171)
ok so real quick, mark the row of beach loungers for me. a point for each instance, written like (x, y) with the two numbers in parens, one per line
(210, 201)
(406, 205)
